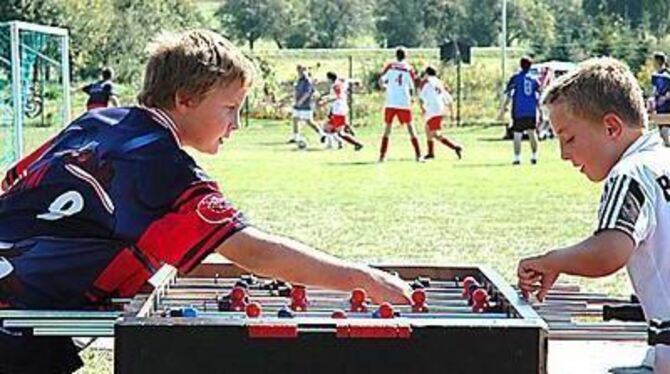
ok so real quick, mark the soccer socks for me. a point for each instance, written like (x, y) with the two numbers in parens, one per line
(417, 150)
(431, 147)
(383, 148)
(448, 143)
(349, 139)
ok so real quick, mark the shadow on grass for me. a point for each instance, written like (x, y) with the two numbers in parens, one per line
(371, 162)
(271, 144)
(483, 165)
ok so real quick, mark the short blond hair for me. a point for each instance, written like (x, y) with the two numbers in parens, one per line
(597, 87)
(191, 62)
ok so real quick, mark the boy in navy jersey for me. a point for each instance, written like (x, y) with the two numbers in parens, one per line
(95, 212)
(523, 90)
(101, 93)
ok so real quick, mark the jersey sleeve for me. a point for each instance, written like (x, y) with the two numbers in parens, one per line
(510, 86)
(384, 73)
(627, 205)
(169, 208)
(197, 223)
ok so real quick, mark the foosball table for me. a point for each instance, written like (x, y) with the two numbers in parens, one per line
(462, 319)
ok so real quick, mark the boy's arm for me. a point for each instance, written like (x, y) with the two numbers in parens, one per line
(289, 260)
(597, 256)
(114, 100)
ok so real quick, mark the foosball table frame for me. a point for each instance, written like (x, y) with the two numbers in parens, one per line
(147, 342)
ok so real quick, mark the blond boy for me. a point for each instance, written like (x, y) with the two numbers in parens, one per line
(598, 113)
(114, 196)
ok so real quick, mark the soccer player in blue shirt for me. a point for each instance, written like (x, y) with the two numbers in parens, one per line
(101, 93)
(660, 79)
(96, 211)
(524, 92)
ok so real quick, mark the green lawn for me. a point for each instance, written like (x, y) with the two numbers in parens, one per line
(480, 210)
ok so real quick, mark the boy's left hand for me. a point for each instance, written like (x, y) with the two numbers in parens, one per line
(536, 275)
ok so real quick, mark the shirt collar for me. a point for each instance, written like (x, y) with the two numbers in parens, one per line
(646, 142)
(163, 119)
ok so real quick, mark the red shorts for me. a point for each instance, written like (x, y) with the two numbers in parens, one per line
(91, 106)
(434, 123)
(336, 122)
(404, 115)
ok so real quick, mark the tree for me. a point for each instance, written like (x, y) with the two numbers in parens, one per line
(333, 21)
(399, 22)
(250, 20)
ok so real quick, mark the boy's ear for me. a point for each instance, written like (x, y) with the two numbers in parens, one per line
(183, 100)
(613, 125)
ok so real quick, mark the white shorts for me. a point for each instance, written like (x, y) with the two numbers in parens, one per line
(303, 114)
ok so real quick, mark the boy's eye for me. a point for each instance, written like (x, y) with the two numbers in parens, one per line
(570, 140)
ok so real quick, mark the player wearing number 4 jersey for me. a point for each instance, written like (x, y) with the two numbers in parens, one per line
(398, 79)
(97, 210)
(599, 116)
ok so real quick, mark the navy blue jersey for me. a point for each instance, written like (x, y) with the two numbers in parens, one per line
(524, 91)
(99, 94)
(102, 206)
(661, 82)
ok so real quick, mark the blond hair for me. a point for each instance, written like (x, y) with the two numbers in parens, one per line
(597, 87)
(191, 62)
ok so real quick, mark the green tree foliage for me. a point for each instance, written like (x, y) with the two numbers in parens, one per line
(400, 22)
(107, 32)
(250, 20)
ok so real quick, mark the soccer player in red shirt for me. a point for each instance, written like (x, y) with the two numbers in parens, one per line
(398, 80)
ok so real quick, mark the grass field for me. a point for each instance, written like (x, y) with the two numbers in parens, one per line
(480, 210)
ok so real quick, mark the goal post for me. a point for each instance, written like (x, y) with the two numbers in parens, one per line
(34, 86)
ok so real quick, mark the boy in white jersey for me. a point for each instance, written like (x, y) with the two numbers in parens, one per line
(398, 80)
(598, 113)
(339, 108)
(435, 100)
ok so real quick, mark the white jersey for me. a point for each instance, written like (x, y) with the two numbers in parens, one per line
(636, 201)
(339, 90)
(434, 97)
(399, 80)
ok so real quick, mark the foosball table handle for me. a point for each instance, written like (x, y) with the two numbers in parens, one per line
(623, 312)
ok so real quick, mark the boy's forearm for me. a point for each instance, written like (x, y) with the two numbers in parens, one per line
(597, 256)
(283, 258)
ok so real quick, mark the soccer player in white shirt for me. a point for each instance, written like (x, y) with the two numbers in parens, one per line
(435, 101)
(339, 108)
(398, 80)
(598, 113)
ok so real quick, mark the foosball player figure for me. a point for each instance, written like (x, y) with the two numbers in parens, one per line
(357, 301)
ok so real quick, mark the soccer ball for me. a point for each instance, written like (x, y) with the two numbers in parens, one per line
(302, 144)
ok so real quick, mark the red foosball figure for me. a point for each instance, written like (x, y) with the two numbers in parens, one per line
(419, 301)
(253, 310)
(385, 311)
(238, 299)
(357, 301)
(298, 299)
(480, 301)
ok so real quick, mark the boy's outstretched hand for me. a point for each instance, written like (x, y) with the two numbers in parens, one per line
(536, 275)
(382, 286)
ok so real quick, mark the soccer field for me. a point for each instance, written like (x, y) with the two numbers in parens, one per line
(479, 210)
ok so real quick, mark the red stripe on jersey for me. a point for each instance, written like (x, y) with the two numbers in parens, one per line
(201, 222)
(123, 277)
(20, 169)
